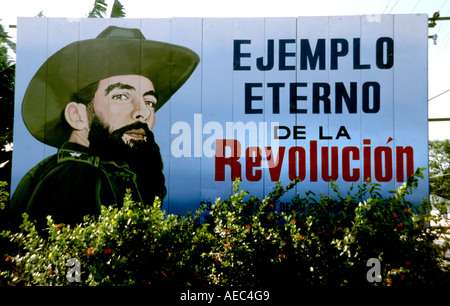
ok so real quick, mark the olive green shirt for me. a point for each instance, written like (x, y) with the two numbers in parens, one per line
(70, 185)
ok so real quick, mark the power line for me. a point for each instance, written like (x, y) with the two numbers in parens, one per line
(393, 6)
(445, 2)
(439, 94)
(386, 6)
(415, 6)
(438, 119)
(448, 11)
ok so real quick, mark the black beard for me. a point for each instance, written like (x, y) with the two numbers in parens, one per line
(143, 157)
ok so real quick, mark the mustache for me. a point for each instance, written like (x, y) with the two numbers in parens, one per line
(133, 126)
(102, 140)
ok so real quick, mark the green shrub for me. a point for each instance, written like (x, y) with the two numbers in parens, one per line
(325, 240)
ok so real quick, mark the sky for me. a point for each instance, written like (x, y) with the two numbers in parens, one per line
(438, 52)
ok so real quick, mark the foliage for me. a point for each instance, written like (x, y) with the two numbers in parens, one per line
(117, 10)
(325, 240)
(4, 195)
(5, 247)
(5, 39)
(100, 8)
(439, 155)
(7, 83)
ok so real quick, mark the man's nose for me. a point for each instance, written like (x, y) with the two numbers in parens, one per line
(141, 111)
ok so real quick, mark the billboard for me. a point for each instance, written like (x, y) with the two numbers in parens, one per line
(340, 99)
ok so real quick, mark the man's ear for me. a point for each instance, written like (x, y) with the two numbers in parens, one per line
(77, 116)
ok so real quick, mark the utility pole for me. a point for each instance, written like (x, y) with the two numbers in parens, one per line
(432, 24)
(436, 17)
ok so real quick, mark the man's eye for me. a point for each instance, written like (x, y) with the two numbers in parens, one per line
(150, 103)
(120, 97)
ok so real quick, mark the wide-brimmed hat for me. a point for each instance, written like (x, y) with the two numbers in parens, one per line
(116, 51)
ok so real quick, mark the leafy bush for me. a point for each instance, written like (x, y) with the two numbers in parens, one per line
(325, 240)
(439, 161)
(4, 195)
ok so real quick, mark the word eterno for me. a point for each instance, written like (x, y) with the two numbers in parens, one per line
(315, 98)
